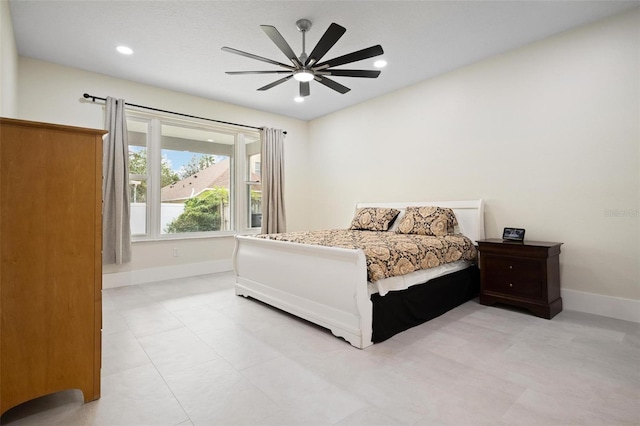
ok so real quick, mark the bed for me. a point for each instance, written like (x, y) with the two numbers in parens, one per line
(329, 286)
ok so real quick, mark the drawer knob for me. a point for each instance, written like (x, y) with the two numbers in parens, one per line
(510, 285)
(510, 267)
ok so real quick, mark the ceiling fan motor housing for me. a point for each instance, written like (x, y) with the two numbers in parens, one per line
(303, 25)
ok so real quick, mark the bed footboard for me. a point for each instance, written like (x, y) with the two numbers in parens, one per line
(324, 285)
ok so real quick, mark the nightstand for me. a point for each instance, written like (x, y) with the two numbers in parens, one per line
(524, 274)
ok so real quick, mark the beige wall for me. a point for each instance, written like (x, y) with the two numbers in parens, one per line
(8, 64)
(548, 135)
(53, 93)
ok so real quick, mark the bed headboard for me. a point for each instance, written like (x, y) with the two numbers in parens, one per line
(470, 214)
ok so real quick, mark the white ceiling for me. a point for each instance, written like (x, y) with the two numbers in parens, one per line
(177, 43)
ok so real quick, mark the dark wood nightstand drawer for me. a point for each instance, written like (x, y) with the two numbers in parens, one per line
(514, 276)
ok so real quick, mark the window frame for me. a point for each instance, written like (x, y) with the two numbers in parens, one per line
(239, 205)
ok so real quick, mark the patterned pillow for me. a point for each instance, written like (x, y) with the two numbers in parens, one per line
(435, 221)
(373, 218)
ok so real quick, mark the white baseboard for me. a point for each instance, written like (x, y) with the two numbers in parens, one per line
(141, 276)
(598, 304)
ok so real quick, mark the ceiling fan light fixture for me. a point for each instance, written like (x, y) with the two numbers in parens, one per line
(303, 75)
(298, 99)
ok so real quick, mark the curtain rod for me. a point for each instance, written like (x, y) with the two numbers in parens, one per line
(93, 99)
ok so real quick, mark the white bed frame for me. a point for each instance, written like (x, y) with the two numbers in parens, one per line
(326, 285)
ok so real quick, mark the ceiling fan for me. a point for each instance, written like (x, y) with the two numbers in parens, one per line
(308, 67)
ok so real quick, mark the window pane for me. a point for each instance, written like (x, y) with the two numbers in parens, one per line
(138, 175)
(196, 172)
(254, 188)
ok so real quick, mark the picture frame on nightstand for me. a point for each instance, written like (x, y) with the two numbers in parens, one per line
(513, 234)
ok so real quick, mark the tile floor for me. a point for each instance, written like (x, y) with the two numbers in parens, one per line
(190, 352)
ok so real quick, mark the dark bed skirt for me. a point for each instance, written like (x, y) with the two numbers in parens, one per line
(400, 310)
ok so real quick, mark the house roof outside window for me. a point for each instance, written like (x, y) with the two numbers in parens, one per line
(217, 175)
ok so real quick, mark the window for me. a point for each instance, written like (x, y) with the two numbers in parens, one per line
(191, 179)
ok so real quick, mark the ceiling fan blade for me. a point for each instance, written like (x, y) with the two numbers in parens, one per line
(351, 73)
(329, 38)
(259, 58)
(275, 83)
(332, 84)
(282, 44)
(256, 72)
(304, 89)
(367, 53)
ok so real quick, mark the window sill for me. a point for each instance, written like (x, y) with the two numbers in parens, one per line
(182, 237)
(194, 236)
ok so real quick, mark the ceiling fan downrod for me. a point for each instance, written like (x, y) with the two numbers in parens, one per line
(303, 26)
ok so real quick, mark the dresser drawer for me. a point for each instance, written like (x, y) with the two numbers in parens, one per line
(513, 276)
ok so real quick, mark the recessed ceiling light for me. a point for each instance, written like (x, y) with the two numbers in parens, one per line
(124, 50)
(380, 63)
(298, 99)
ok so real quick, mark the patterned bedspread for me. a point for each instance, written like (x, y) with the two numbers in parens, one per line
(389, 254)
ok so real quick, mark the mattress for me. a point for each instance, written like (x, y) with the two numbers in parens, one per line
(403, 282)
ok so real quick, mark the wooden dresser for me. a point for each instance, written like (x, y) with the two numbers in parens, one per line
(524, 274)
(50, 260)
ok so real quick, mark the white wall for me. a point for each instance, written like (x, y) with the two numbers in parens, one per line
(548, 135)
(53, 93)
(8, 64)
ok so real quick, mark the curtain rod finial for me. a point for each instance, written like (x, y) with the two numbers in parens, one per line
(88, 96)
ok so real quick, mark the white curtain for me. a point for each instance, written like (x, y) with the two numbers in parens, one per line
(116, 230)
(272, 156)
